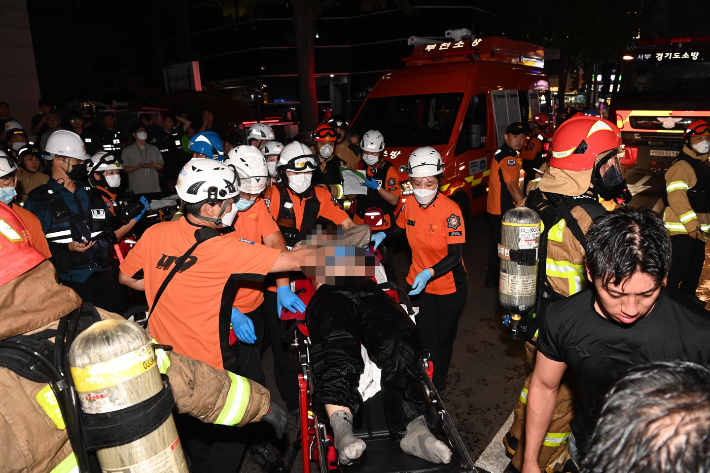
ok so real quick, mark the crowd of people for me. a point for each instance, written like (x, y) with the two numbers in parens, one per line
(219, 274)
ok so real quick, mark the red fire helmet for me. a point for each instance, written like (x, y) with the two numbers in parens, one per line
(579, 140)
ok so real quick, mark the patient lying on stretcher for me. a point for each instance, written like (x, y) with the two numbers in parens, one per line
(347, 310)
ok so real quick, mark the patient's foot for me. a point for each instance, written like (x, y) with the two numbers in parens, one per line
(349, 447)
(421, 443)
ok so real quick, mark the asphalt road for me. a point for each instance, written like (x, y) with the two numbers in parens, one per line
(487, 370)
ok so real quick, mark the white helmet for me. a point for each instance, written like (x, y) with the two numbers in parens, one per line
(9, 125)
(66, 143)
(103, 161)
(273, 148)
(372, 141)
(297, 157)
(250, 167)
(7, 165)
(261, 132)
(424, 162)
(205, 179)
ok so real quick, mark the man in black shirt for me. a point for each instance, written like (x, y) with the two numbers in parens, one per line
(627, 320)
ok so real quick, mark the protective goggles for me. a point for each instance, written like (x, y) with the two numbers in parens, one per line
(325, 134)
(110, 160)
(703, 129)
(303, 163)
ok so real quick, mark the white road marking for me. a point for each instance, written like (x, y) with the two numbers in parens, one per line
(638, 186)
(493, 457)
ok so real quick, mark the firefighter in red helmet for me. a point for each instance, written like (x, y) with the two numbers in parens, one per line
(327, 174)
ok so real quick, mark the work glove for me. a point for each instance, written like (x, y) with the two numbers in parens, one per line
(420, 282)
(146, 206)
(243, 327)
(276, 418)
(370, 183)
(377, 238)
(286, 299)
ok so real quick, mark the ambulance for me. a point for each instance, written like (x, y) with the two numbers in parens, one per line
(456, 96)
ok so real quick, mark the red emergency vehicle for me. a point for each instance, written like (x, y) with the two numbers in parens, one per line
(664, 86)
(458, 97)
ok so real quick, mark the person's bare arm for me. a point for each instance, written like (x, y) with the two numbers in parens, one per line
(347, 224)
(276, 240)
(130, 169)
(137, 284)
(514, 189)
(390, 197)
(121, 232)
(291, 260)
(156, 166)
(38, 126)
(185, 123)
(542, 397)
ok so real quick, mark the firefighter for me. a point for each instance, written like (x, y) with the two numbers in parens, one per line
(436, 234)
(327, 174)
(534, 153)
(34, 436)
(192, 309)
(30, 170)
(342, 147)
(75, 222)
(271, 151)
(8, 194)
(206, 144)
(259, 134)
(584, 167)
(687, 215)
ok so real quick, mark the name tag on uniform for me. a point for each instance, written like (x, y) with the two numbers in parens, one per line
(243, 240)
(410, 222)
(116, 142)
(87, 140)
(288, 205)
(147, 172)
(177, 143)
(98, 214)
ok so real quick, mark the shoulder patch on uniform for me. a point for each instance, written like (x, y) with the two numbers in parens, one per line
(391, 181)
(512, 162)
(410, 223)
(454, 221)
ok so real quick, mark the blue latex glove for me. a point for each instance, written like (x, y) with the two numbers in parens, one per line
(370, 183)
(420, 282)
(286, 299)
(377, 238)
(146, 206)
(243, 327)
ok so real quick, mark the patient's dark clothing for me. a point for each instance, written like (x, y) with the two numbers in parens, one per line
(339, 318)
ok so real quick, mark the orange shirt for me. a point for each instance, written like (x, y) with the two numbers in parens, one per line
(390, 183)
(35, 228)
(531, 148)
(328, 207)
(429, 232)
(505, 167)
(194, 312)
(250, 227)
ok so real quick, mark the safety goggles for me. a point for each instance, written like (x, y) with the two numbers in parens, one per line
(110, 160)
(303, 163)
(325, 134)
(703, 129)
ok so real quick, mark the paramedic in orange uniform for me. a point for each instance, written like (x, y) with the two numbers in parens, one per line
(8, 184)
(436, 234)
(503, 191)
(194, 311)
(534, 153)
(252, 305)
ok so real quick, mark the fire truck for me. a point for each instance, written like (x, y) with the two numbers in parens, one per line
(664, 86)
(456, 96)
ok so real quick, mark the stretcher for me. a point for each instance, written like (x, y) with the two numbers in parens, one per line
(383, 454)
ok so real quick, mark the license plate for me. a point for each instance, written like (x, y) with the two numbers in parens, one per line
(663, 152)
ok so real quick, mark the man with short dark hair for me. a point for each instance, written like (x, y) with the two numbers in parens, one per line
(112, 137)
(627, 320)
(654, 419)
(54, 123)
(142, 162)
(91, 141)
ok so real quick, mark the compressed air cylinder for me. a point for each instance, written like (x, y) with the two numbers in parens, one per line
(518, 282)
(114, 367)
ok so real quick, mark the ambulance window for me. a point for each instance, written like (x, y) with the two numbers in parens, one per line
(524, 106)
(475, 125)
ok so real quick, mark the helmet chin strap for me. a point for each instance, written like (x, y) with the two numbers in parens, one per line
(217, 221)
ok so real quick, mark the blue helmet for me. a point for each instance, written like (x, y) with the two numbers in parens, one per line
(592, 113)
(208, 143)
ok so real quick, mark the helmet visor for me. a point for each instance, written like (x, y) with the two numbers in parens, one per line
(325, 134)
(303, 163)
(610, 169)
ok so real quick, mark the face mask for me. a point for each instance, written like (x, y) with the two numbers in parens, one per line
(326, 151)
(244, 204)
(228, 217)
(113, 180)
(370, 159)
(424, 196)
(702, 147)
(7, 195)
(272, 168)
(18, 145)
(142, 135)
(300, 182)
(77, 172)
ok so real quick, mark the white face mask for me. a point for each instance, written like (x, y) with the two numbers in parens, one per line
(424, 196)
(142, 135)
(114, 180)
(300, 183)
(271, 166)
(18, 145)
(326, 151)
(702, 147)
(371, 159)
(228, 217)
